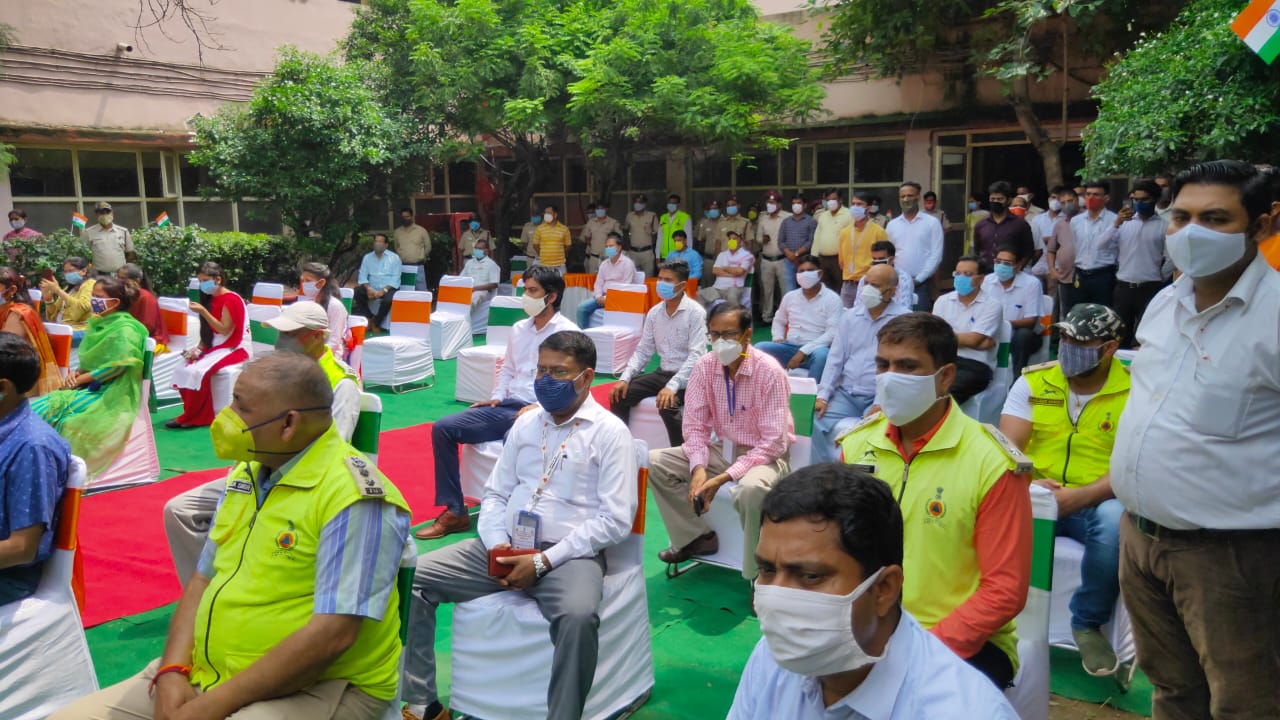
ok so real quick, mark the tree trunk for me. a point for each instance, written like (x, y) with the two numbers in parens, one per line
(515, 191)
(1020, 99)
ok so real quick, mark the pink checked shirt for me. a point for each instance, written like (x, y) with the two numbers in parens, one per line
(621, 272)
(761, 417)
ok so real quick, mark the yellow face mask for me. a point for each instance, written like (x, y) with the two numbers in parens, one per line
(232, 439)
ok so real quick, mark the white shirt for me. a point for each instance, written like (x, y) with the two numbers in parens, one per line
(484, 271)
(1196, 447)
(917, 244)
(851, 364)
(1018, 402)
(515, 379)
(1021, 300)
(590, 499)
(618, 271)
(905, 295)
(1095, 240)
(1042, 227)
(811, 324)
(738, 258)
(1141, 249)
(346, 406)
(918, 677)
(983, 315)
(679, 340)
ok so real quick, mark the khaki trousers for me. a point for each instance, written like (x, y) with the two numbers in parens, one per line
(669, 480)
(129, 700)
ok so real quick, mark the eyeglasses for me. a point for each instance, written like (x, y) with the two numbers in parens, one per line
(732, 335)
(883, 261)
(557, 373)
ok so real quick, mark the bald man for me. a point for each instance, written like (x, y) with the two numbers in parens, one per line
(300, 572)
(848, 385)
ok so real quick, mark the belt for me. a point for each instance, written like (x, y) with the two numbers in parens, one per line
(593, 255)
(1096, 271)
(1138, 285)
(643, 249)
(1157, 532)
(773, 258)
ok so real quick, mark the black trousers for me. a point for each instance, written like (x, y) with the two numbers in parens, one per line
(1095, 286)
(972, 377)
(1025, 342)
(647, 386)
(1131, 301)
(995, 664)
(360, 306)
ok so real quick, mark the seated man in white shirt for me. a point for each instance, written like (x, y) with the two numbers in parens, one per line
(975, 316)
(586, 505)
(616, 269)
(676, 329)
(1020, 294)
(805, 322)
(731, 270)
(484, 271)
(837, 643)
(882, 253)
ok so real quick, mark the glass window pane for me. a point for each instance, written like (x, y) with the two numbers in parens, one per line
(212, 215)
(955, 166)
(953, 202)
(878, 162)
(649, 174)
(888, 195)
(255, 217)
(193, 178)
(437, 179)
(46, 217)
(126, 214)
(108, 174)
(432, 206)
(42, 173)
(154, 208)
(760, 171)
(713, 171)
(555, 175)
(576, 177)
(463, 204)
(951, 141)
(833, 164)
(152, 182)
(462, 178)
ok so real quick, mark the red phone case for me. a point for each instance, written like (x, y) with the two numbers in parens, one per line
(497, 569)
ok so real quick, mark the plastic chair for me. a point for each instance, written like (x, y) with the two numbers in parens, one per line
(478, 366)
(1046, 321)
(985, 407)
(403, 359)
(178, 320)
(138, 462)
(501, 641)
(1030, 692)
(44, 655)
(616, 340)
(348, 296)
(265, 293)
(451, 322)
(193, 289)
(409, 277)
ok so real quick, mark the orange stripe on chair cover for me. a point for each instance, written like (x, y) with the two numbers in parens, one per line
(516, 277)
(175, 323)
(61, 349)
(625, 301)
(637, 527)
(68, 519)
(411, 311)
(1047, 322)
(455, 295)
(77, 579)
(265, 300)
(357, 334)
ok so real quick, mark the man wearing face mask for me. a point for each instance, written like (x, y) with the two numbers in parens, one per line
(1064, 415)
(706, 236)
(873, 210)
(931, 208)
(832, 221)
(669, 222)
(598, 227)
(682, 252)
(564, 488)
(471, 234)
(1041, 229)
(805, 323)
(1020, 295)
(617, 269)
(841, 645)
(976, 317)
(514, 394)
(730, 272)
(733, 221)
(918, 238)
(552, 240)
(1165, 203)
(1060, 253)
(413, 245)
(1024, 192)
(1142, 269)
(882, 253)
(379, 279)
(795, 237)
(302, 329)
(642, 232)
(967, 534)
(1001, 227)
(771, 258)
(112, 244)
(1195, 463)
(742, 396)
(299, 572)
(526, 235)
(847, 386)
(485, 272)
(1095, 232)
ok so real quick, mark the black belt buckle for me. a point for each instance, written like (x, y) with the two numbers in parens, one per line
(773, 258)
(643, 249)
(1147, 527)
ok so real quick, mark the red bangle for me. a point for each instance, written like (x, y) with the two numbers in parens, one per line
(184, 670)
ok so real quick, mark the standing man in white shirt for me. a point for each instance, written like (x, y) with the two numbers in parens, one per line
(676, 329)
(832, 219)
(1095, 232)
(1142, 272)
(413, 245)
(730, 271)
(484, 271)
(806, 322)
(1195, 461)
(1042, 229)
(617, 269)
(772, 260)
(514, 394)
(1021, 295)
(975, 317)
(565, 487)
(837, 643)
(918, 239)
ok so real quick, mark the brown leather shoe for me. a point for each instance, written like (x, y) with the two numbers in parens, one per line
(406, 715)
(706, 544)
(446, 524)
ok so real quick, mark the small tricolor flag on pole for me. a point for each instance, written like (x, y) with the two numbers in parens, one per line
(163, 220)
(78, 220)
(1259, 27)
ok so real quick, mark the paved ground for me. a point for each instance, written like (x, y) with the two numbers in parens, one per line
(1061, 708)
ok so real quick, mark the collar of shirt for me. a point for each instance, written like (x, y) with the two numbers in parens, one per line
(589, 412)
(270, 481)
(1242, 292)
(13, 419)
(877, 695)
(894, 435)
(686, 303)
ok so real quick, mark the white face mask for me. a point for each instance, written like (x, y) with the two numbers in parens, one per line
(727, 351)
(903, 398)
(548, 218)
(533, 306)
(639, 207)
(17, 224)
(771, 208)
(833, 205)
(810, 632)
(858, 211)
(797, 208)
(1200, 252)
(871, 297)
(808, 278)
(310, 290)
(1055, 205)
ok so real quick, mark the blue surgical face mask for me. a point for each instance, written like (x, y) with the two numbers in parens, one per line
(475, 225)
(858, 211)
(477, 253)
(72, 278)
(964, 284)
(208, 287)
(1145, 208)
(535, 219)
(666, 290)
(1004, 273)
(731, 210)
(600, 212)
(672, 207)
(555, 395)
(973, 206)
(713, 213)
(610, 252)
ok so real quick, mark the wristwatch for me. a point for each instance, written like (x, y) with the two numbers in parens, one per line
(539, 567)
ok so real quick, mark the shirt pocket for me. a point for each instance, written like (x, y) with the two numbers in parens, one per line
(1223, 401)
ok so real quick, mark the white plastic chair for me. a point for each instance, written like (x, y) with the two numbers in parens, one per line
(616, 340)
(44, 655)
(985, 407)
(501, 641)
(1030, 692)
(478, 366)
(402, 359)
(184, 334)
(138, 462)
(451, 322)
(265, 293)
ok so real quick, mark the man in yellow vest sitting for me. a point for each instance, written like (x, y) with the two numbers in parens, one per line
(303, 328)
(1064, 414)
(293, 609)
(965, 508)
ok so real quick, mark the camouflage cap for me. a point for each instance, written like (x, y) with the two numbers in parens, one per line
(1089, 321)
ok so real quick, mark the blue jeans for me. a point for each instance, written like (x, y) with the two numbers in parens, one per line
(471, 426)
(585, 310)
(1098, 529)
(842, 405)
(783, 352)
(788, 276)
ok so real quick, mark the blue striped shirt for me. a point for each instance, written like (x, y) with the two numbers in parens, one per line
(34, 462)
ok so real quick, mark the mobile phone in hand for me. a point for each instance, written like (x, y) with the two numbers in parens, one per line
(699, 505)
(48, 275)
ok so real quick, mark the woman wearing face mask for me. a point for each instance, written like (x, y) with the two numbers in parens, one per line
(224, 341)
(317, 285)
(145, 307)
(18, 228)
(70, 305)
(19, 316)
(96, 408)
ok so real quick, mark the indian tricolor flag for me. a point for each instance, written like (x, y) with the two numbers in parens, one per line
(1259, 27)
(162, 220)
(78, 220)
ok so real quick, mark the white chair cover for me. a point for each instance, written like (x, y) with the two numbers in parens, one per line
(451, 321)
(265, 293)
(404, 357)
(985, 407)
(618, 337)
(1030, 692)
(1046, 315)
(1068, 556)
(646, 424)
(475, 465)
(263, 338)
(478, 366)
(163, 366)
(138, 462)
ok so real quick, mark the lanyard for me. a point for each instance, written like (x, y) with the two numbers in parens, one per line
(549, 466)
(731, 391)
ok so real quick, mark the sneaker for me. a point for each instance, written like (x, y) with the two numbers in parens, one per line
(1096, 653)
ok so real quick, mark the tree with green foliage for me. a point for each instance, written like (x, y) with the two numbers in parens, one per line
(1193, 92)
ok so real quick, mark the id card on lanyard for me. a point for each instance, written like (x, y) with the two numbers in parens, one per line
(527, 533)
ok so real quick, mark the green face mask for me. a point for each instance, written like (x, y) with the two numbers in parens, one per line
(232, 439)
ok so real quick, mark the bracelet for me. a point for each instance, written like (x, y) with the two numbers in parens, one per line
(184, 670)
